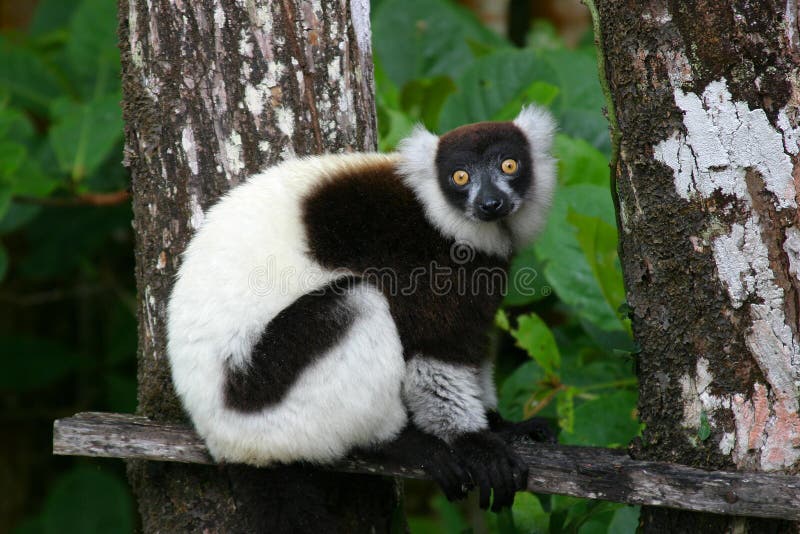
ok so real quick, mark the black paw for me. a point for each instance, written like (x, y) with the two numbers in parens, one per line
(494, 468)
(537, 428)
(447, 470)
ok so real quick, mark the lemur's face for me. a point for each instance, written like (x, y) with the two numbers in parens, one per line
(485, 169)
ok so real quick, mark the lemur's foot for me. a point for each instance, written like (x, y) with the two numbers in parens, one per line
(493, 466)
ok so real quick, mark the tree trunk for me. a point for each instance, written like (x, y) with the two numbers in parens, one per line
(215, 90)
(706, 97)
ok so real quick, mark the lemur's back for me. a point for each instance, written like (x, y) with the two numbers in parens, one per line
(250, 261)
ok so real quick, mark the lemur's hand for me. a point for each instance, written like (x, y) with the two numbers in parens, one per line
(493, 466)
(536, 428)
(419, 449)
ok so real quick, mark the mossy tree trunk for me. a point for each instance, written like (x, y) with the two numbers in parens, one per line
(215, 90)
(705, 96)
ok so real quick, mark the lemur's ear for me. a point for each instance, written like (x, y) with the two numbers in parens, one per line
(418, 154)
(538, 126)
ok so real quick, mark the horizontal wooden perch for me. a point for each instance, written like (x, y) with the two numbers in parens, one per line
(588, 472)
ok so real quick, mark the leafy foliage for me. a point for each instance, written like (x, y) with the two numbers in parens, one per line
(67, 322)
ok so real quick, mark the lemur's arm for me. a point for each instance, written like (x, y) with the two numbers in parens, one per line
(446, 400)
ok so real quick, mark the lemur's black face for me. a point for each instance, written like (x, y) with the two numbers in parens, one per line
(485, 169)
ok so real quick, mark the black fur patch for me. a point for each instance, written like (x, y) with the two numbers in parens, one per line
(480, 149)
(443, 301)
(286, 348)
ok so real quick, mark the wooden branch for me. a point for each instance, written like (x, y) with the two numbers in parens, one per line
(588, 472)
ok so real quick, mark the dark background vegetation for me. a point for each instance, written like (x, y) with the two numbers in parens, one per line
(67, 296)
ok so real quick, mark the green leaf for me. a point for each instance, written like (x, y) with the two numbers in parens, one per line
(526, 282)
(417, 39)
(565, 409)
(501, 320)
(598, 240)
(14, 125)
(16, 216)
(704, 430)
(579, 162)
(29, 180)
(625, 520)
(32, 363)
(84, 134)
(540, 93)
(517, 389)
(91, 51)
(488, 85)
(88, 501)
(11, 157)
(496, 84)
(423, 99)
(529, 516)
(615, 410)
(51, 15)
(533, 335)
(565, 266)
(394, 126)
(25, 75)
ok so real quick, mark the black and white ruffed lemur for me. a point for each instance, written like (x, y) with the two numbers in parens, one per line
(283, 349)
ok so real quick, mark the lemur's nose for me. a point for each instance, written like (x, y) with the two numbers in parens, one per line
(490, 206)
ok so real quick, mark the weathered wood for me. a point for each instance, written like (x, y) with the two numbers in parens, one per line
(589, 472)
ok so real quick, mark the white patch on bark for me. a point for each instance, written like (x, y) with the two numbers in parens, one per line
(245, 45)
(723, 140)
(285, 117)
(254, 98)
(359, 17)
(219, 16)
(790, 17)
(233, 155)
(197, 217)
(792, 249)
(190, 148)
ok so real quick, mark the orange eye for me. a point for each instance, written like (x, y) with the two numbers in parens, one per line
(461, 177)
(509, 166)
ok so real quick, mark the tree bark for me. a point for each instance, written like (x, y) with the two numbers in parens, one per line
(215, 90)
(704, 100)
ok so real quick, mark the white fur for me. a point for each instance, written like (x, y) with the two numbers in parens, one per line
(488, 388)
(445, 399)
(539, 128)
(245, 264)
